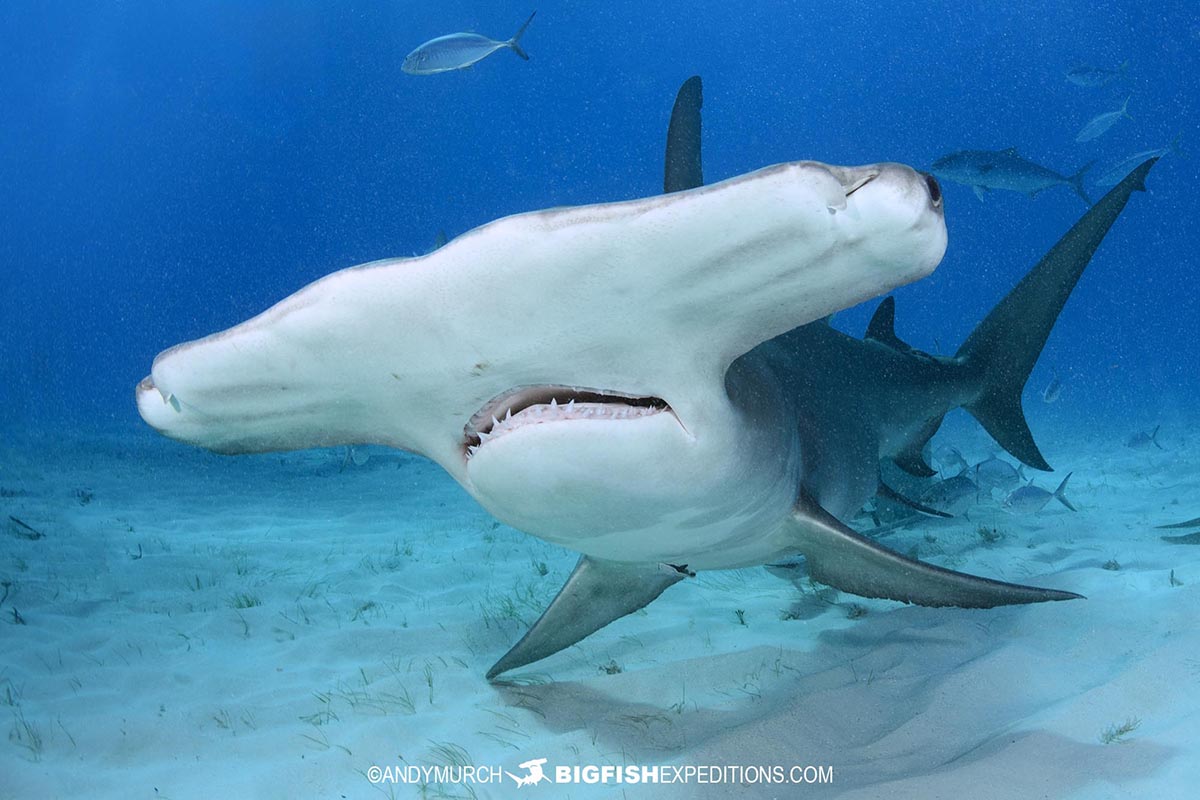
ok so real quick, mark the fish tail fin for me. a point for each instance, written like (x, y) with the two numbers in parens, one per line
(1174, 147)
(1076, 182)
(1125, 108)
(1002, 350)
(1154, 438)
(515, 42)
(1060, 493)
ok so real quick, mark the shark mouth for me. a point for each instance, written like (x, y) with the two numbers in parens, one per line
(538, 405)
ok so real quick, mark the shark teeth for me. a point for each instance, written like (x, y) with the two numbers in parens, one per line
(554, 412)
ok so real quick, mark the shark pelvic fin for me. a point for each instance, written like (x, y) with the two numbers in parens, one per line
(849, 561)
(911, 458)
(1005, 346)
(597, 593)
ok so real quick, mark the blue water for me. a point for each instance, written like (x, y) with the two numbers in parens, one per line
(169, 169)
(172, 168)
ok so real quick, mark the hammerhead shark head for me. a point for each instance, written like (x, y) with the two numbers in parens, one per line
(868, 399)
(648, 382)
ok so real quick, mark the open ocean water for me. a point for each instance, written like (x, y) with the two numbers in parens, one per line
(179, 624)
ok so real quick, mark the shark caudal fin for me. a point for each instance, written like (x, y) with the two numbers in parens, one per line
(682, 165)
(515, 42)
(1006, 345)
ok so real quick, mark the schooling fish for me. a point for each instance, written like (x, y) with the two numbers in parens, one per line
(1003, 169)
(1032, 499)
(953, 496)
(1142, 440)
(951, 460)
(1100, 125)
(995, 473)
(1087, 75)
(459, 51)
(1112, 175)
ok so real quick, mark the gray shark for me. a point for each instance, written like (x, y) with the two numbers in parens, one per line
(648, 382)
(1004, 169)
(854, 402)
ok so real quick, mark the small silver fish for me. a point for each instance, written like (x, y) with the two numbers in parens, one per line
(1087, 75)
(1098, 126)
(1052, 391)
(995, 473)
(1003, 169)
(1112, 175)
(1031, 499)
(950, 460)
(1142, 440)
(459, 51)
(952, 496)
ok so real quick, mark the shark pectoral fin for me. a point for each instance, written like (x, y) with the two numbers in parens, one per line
(597, 593)
(846, 560)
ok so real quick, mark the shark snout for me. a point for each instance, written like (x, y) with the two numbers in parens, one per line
(155, 406)
(852, 179)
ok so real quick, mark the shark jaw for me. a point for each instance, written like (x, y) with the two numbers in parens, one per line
(540, 405)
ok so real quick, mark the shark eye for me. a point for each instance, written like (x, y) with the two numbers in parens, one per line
(935, 191)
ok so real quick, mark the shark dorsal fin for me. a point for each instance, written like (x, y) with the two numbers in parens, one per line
(683, 167)
(882, 327)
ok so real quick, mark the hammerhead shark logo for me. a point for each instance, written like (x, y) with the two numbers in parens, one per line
(534, 775)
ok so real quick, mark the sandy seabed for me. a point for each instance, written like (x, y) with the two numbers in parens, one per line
(182, 625)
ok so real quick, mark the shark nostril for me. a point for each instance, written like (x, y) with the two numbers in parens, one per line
(935, 191)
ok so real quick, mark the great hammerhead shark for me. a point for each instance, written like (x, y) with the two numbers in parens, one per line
(648, 382)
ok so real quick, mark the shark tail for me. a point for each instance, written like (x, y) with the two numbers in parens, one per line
(1060, 493)
(1076, 182)
(1003, 349)
(515, 41)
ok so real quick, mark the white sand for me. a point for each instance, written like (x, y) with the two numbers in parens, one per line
(377, 598)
